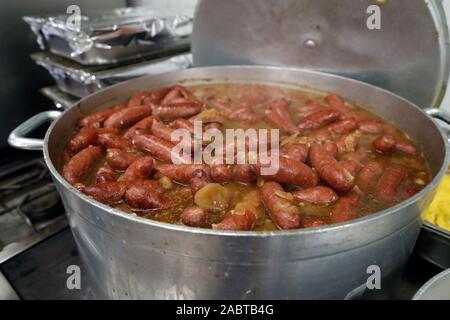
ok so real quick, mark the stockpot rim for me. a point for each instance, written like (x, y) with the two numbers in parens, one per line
(259, 234)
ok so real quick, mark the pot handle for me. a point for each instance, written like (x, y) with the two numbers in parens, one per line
(17, 138)
(441, 115)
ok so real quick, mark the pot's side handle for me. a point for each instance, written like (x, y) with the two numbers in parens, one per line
(17, 138)
(441, 115)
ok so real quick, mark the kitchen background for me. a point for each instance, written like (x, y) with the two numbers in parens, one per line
(22, 78)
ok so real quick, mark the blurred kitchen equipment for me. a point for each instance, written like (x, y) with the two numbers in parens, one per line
(438, 288)
(81, 81)
(327, 262)
(112, 36)
(407, 56)
(60, 99)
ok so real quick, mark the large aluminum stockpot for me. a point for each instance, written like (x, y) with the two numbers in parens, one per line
(132, 257)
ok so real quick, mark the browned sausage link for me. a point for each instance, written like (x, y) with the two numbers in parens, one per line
(108, 192)
(113, 141)
(245, 114)
(385, 143)
(127, 117)
(177, 93)
(157, 96)
(406, 146)
(199, 179)
(139, 169)
(277, 114)
(336, 103)
(177, 110)
(346, 206)
(283, 213)
(369, 175)
(119, 159)
(146, 195)
(244, 173)
(158, 147)
(331, 148)
(143, 125)
(344, 126)
(85, 137)
(179, 172)
(292, 172)
(104, 174)
(371, 126)
(221, 173)
(162, 131)
(296, 151)
(319, 119)
(194, 216)
(140, 98)
(96, 119)
(314, 223)
(183, 124)
(330, 170)
(351, 165)
(80, 164)
(346, 143)
(390, 182)
(238, 221)
(316, 195)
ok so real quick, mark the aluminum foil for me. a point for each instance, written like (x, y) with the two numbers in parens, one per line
(81, 81)
(110, 36)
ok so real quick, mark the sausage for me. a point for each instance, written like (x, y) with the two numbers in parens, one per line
(194, 216)
(245, 114)
(198, 180)
(343, 126)
(119, 159)
(319, 119)
(96, 119)
(314, 223)
(316, 195)
(146, 195)
(358, 156)
(143, 125)
(406, 146)
(108, 192)
(103, 175)
(113, 141)
(371, 126)
(336, 103)
(330, 170)
(385, 143)
(283, 213)
(238, 221)
(177, 110)
(221, 103)
(140, 98)
(127, 117)
(292, 172)
(85, 137)
(177, 93)
(161, 130)
(139, 169)
(351, 165)
(179, 172)
(158, 147)
(369, 175)
(296, 151)
(80, 164)
(331, 148)
(183, 124)
(346, 144)
(390, 182)
(221, 173)
(345, 207)
(244, 173)
(277, 114)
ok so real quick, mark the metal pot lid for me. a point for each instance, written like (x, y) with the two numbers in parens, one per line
(408, 55)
